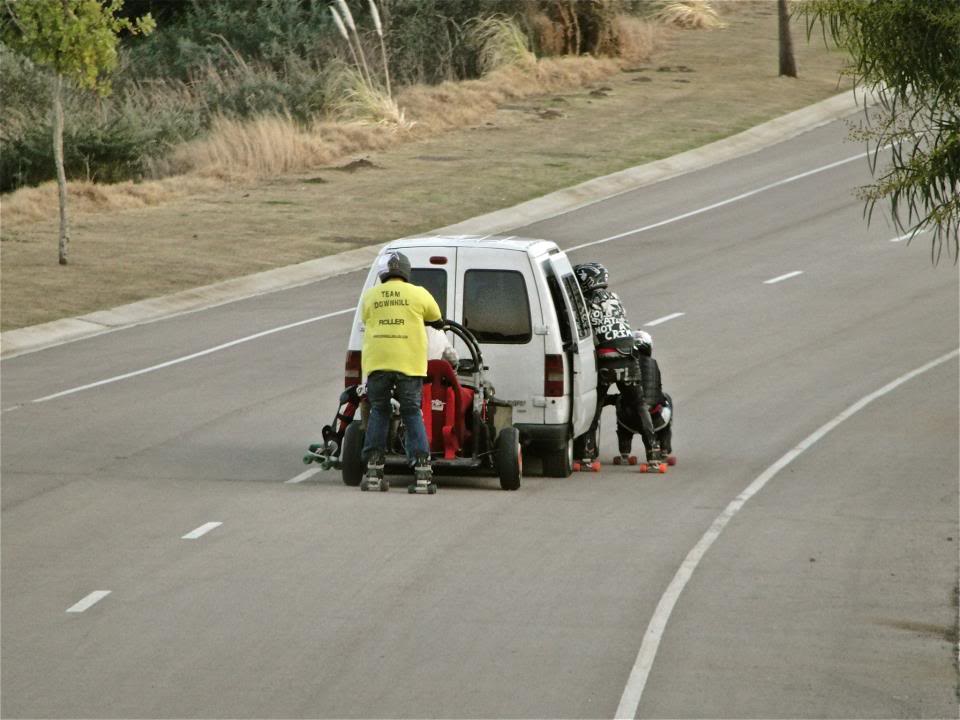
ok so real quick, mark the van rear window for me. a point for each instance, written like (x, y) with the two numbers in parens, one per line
(495, 306)
(582, 317)
(435, 281)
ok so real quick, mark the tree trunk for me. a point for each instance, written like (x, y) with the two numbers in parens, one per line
(788, 66)
(61, 174)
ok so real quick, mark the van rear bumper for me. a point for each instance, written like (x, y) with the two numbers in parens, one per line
(546, 437)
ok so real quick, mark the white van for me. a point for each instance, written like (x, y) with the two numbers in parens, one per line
(521, 300)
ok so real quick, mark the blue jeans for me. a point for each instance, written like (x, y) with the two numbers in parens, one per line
(409, 390)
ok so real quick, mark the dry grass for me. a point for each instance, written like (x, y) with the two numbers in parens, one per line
(38, 204)
(636, 39)
(277, 145)
(690, 15)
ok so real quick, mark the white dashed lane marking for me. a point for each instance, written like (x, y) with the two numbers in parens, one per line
(664, 319)
(90, 600)
(781, 278)
(202, 530)
(307, 474)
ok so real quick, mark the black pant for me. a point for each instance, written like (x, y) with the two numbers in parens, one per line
(628, 426)
(624, 371)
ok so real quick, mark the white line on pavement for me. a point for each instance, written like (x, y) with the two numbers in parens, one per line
(90, 600)
(908, 236)
(630, 700)
(664, 319)
(781, 278)
(202, 530)
(302, 476)
(635, 231)
(192, 356)
(735, 198)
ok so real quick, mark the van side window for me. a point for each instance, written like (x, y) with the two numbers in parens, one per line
(435, 281)
(495, 306)
(582, 318)
(556, 294)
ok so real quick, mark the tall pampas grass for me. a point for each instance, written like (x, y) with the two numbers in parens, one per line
(353, 97)
(500, 42)
(348, 18)
(690, 15)
(383, 45)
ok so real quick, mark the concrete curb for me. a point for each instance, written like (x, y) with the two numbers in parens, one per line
(38, 337)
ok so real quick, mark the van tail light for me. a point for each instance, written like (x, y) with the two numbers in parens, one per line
(352, 369)
(553, 376)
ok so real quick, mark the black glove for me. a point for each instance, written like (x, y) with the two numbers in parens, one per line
(438, 324)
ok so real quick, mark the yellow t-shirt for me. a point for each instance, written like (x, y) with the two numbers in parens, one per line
(394, 337)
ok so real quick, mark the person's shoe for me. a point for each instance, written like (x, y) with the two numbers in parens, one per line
(374, 479)
(423, 476)
(653, 454)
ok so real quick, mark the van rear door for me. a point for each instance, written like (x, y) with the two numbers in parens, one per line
(497, 301)
(580, 351)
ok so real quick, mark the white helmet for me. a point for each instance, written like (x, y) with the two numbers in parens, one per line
(643, 342)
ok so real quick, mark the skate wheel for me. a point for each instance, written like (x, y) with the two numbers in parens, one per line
(576, 467)
(431, 489)
(671, 460)
(384, 485)
(307, 459)
(364, 486)
(662, 468)
(632, 460)
(643, 467)
(617, 460)
(595, 466)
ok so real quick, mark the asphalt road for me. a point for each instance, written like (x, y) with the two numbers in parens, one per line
(829, 593)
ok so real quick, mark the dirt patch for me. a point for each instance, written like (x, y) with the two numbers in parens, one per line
(941, 632)
(361, 164)
(206, 230)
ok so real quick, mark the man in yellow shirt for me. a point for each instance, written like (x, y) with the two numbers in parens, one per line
(394, 359)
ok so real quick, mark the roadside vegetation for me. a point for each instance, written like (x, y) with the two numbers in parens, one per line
(266, 189)
(277, 73)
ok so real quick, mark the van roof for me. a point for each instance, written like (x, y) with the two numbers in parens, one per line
(531, 246)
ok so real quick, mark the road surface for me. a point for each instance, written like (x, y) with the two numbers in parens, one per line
(156, 562)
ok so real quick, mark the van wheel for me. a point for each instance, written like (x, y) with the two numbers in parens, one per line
(509, 458)
(559, 463)
(352, 467)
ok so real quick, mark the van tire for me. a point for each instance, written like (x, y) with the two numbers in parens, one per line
(509, 458)
(351, 457)
(559, 463)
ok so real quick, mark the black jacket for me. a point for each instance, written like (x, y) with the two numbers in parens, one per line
(609, 321)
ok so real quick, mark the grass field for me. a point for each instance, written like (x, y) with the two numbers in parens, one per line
(699, 87)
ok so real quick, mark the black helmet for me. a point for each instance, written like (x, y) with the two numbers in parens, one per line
(394, 264)
(591, 276)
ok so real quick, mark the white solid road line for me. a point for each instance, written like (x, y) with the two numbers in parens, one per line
(192, 356)
(630, 700)
(90, 600)
(256, 336)
(202, 530)
(781, 278)
(664, 319)
(302, 476)
(735, 198)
